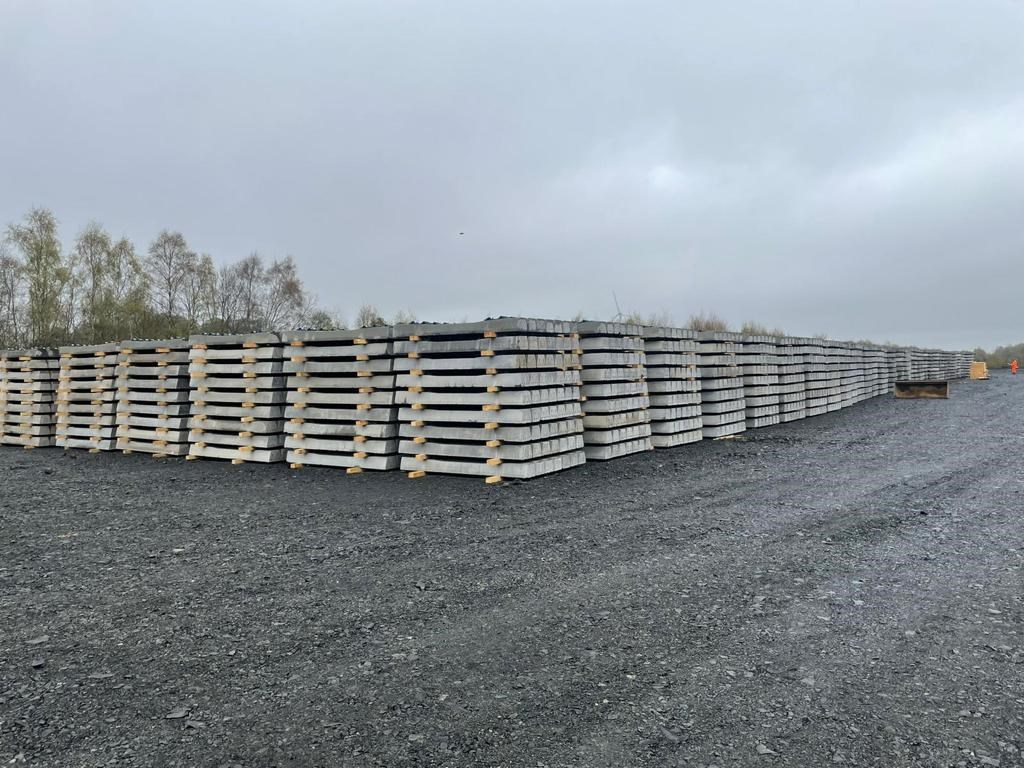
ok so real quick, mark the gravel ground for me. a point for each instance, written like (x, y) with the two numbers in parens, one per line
(841, 590)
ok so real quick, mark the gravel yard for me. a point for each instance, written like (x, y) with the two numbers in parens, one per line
(841, 590)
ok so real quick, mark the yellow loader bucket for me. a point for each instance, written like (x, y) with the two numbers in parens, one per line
(931, 389)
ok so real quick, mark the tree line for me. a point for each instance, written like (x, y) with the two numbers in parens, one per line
(1000, 357)
(102, 289)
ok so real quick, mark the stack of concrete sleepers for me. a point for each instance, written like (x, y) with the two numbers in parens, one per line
(87, 397)
(673, 386)
(879, 368)
(723, 407)
(341, 408)
(816, 377)
(497, 399)
(792, 379)
(852, 374)
(28, 382)
(834, 365)
(760, 370)
(153, 397)
(616, 418)
(237, 390)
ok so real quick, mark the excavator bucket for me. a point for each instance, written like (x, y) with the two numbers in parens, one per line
(934, 388)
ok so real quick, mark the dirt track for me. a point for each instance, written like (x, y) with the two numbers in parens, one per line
(845, 589)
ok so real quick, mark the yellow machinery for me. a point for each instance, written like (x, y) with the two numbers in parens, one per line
(979, 370)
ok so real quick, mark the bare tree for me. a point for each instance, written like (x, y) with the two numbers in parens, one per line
(707, 321)
(199, 286)
(284, 296)
(403, 317)
(12, 292)
(251, 274)
(47, 275)
(91, 259)
(168, 262)
(368, 317)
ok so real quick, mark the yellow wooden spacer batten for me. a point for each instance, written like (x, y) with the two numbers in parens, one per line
(416, 473)
(493, 479)
(353, 470)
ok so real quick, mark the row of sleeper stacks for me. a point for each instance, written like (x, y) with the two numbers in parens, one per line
(759, 367)
(792, 380)
(153, 397)
(237, 390)
(499, 398)
(723, 407)
(341, 409)
(616, 418)
(673, 386)
(87, 397)
(28, 382)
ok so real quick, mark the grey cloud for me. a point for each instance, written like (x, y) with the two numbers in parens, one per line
(850, 167)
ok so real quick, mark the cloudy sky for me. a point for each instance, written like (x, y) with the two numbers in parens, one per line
(850, 167)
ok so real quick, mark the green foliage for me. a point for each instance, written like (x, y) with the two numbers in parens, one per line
(1000, 357)
(102, 291)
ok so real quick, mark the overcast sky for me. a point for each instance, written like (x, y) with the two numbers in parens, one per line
(850, 167)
